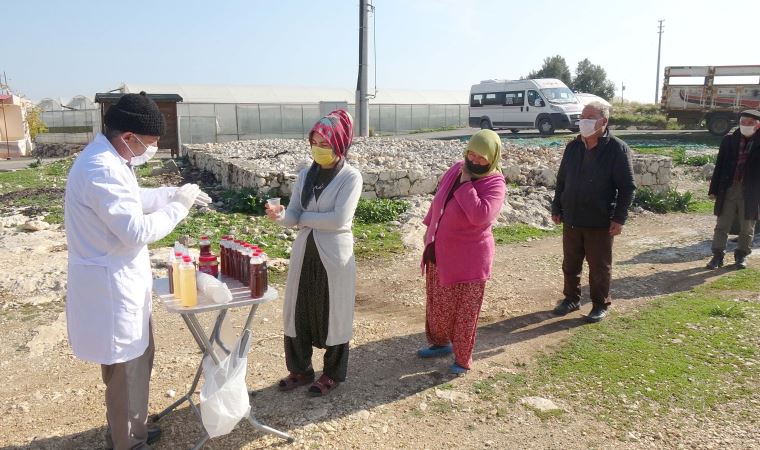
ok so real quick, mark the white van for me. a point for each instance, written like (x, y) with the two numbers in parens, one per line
(545, 104)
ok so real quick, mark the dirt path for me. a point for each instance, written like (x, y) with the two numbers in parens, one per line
(49, 399)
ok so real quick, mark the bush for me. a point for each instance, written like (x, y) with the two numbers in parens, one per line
(379, 211)
(663, 202)
(638, 120)
(246, 201)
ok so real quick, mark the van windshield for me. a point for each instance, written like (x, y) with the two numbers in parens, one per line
(559, 95)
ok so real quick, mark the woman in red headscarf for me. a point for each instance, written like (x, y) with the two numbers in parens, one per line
(319, 295)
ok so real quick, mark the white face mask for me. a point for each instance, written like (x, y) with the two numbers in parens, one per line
(747, 130)
(587, 127)
(150, 152)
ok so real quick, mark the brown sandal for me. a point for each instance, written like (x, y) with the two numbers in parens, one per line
(294, 380)
(323, 386)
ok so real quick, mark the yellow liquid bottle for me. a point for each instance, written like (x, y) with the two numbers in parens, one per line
(187, 281)
(176, 262)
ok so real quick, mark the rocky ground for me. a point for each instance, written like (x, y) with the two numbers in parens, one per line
(51, 400)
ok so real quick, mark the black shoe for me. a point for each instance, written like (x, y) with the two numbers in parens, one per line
(566, 306)
(740, 261)
(715, 262)
(597, 314)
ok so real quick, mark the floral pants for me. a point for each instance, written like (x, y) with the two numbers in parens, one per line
(452, 315)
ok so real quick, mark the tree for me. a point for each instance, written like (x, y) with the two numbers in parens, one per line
(34, 122)
(554, 67)
(592, 79)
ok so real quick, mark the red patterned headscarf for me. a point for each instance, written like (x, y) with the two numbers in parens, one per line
(338, 129)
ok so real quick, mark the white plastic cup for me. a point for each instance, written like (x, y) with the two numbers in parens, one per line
(273, 202)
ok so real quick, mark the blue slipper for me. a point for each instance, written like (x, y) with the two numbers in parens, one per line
(434, 351)
(456, 369)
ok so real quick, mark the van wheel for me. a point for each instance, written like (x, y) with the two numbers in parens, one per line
(485, 124)
(514, 130)
(718, 125)
(545, 126)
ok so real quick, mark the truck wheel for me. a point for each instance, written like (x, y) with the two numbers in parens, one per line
(718, 125)
(485, 124)
(514, 130)
(545, 126)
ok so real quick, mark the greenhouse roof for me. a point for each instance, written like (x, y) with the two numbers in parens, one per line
(195, 93)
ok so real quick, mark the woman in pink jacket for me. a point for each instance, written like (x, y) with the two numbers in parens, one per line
(459, 249)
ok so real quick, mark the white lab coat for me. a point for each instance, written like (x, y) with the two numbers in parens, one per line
(109, 221)
(330, 219)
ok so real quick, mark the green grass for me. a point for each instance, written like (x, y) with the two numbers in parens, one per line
(686, 350)
(511, 234)
(42, 176)
(380, 240)
(41, 187)
(678, 155)
(701, 207)
(380, 210)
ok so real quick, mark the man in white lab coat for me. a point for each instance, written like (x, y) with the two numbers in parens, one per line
(109, 221)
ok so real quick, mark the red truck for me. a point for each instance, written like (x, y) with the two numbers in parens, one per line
(723, 92)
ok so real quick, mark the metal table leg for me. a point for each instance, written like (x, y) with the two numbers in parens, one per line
(206, 346)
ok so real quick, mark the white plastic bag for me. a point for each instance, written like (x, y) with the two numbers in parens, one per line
(213, 288)
(224, 396)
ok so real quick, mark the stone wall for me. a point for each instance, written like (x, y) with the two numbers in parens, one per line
(652, 171)
(42, 150)
(390, 167)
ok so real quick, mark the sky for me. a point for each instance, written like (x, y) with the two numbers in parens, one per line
(64, 48)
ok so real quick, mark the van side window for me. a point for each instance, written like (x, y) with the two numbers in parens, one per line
(534, 99)
(493, 98)
(476, 100)
(514, 98)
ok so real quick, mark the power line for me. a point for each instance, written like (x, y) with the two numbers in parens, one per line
(657, 80)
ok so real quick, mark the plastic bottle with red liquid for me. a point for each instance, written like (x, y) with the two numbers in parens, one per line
(222, 251)
(245, 264)
(205, 245)
(259, 282)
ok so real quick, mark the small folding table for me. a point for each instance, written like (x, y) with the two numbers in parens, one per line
(241, 297)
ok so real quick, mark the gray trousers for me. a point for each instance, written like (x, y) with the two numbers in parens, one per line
(127, 387)
(733, 207)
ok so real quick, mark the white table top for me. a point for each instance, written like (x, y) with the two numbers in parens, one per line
(241, 296)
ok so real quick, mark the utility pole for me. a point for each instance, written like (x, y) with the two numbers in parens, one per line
(622, 93)
(657, 82)
(5, 122)
(362, 99)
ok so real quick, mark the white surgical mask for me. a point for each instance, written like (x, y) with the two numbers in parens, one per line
(150, 151)
(587, 127)
(747, 130)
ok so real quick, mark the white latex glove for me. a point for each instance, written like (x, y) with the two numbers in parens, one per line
(203, 199)
(186, 195)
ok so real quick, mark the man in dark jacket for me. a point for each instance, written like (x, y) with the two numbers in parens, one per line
(594, 190)
(735, 187)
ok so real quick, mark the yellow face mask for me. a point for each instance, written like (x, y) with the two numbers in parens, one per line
(322, 156)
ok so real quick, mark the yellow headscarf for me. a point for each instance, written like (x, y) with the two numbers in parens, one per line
(487, 144)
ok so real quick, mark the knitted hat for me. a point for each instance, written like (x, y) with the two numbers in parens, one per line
(755, 114)
(136, 113)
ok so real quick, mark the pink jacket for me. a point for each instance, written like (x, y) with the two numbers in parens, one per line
(461, 230)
